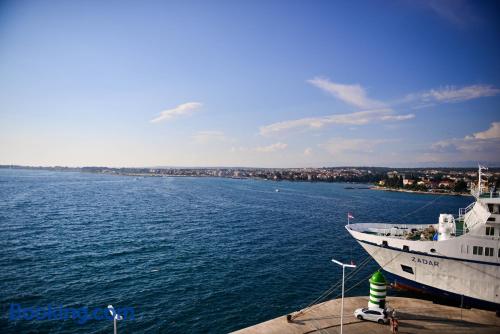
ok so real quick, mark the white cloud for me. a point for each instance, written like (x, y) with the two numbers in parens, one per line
(397, 117)
(351, 94)
(271, 148)
(203, 137)
(261, 149)
(492, 133)
(355, 118)
(238, 149)
(181, 109)
(356, 95)
(469, 146)
(375, 111)
(341, 145)
(484, 145)
(451, 94)
(457, 12)
(308, 151)
(444, 144)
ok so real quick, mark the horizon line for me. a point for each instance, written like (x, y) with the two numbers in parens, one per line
(491, 165)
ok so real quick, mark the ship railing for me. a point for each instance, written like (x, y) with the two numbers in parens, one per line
(463, 211)
(474, 190)
(399, 230)
(460, 220)
(491, 194)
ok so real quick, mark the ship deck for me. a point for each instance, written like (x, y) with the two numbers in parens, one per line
(397, 231)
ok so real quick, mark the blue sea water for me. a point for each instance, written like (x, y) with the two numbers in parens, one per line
(190, 255)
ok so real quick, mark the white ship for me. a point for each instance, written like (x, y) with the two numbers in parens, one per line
(459, 257)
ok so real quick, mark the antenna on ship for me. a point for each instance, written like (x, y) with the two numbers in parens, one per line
(480, 178)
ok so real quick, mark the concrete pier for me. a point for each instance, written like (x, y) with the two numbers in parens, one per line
(414, 315)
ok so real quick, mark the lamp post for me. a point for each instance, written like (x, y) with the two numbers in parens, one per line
(115, 316)
(344, 265)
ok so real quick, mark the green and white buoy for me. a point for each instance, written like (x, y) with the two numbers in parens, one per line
(378, 290)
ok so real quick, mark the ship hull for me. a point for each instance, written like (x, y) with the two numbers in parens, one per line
(439, 295)
(469, 283)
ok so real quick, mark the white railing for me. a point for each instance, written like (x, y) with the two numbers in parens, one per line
(474, 190)
(399, 230)
(491, 194)
(463, 211)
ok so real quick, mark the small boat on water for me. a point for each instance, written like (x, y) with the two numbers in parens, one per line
(458, 258)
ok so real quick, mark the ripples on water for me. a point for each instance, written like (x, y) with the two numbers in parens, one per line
(189, 254)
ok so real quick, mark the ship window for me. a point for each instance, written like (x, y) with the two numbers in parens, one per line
(406, 248)
(476, 250)
(491, 219)
(488, 251)
(407, 269)
(433, 250)
(490, 230)
(384, 243)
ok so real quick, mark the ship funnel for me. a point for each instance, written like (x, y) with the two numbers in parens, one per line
(378, 290)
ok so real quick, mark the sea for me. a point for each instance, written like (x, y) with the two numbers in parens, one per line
(187, 255)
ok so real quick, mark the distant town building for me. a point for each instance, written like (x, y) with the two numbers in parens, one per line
(408, 182)
(446, 184)
(392, 174)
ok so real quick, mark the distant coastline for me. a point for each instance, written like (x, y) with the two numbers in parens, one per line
(434, 181)
(421, 192)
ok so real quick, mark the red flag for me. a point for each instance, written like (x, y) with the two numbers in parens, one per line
(349, 216)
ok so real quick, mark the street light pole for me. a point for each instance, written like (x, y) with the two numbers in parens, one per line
(343, 275)
(115, 316)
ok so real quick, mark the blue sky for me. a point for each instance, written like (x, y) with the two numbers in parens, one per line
(249, 83)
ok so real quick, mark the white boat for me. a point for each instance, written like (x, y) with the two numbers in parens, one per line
(458, 258)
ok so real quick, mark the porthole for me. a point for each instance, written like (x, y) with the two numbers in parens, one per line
(407, 269)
